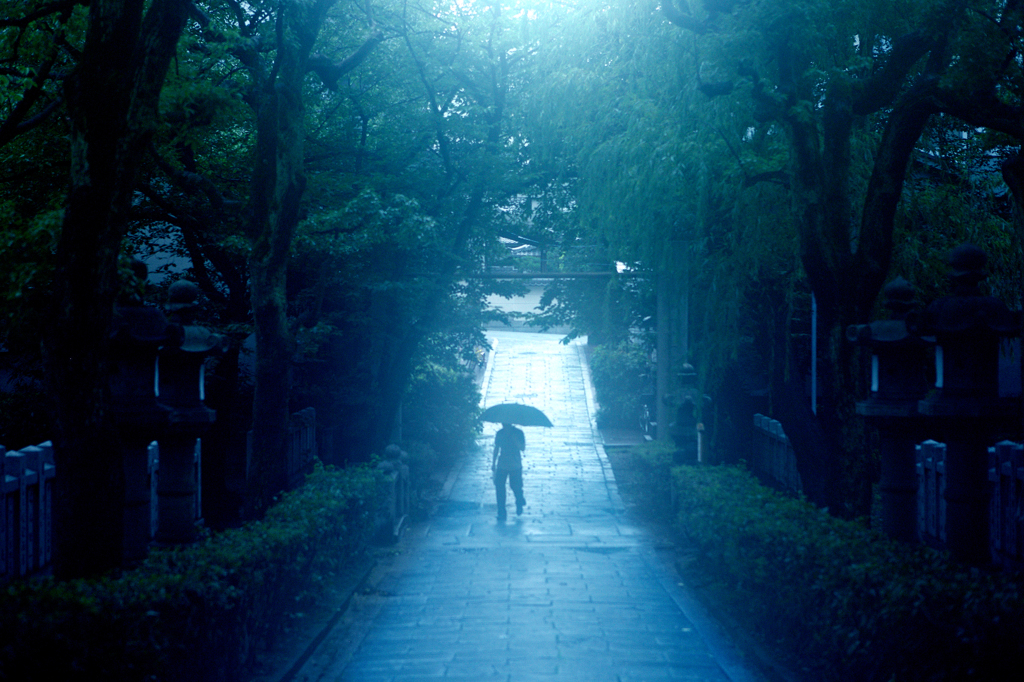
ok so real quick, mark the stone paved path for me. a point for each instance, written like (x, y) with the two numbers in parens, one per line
(570, 590)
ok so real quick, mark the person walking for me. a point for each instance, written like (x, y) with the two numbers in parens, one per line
(507, 463)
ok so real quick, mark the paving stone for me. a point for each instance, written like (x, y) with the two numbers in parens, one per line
(570, 590)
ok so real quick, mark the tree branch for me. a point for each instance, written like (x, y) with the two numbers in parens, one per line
(881, 88)
(60, 7)
(983, 109)
(436, 109)
(768, 104)
(777, 177)
(193, 183)
(885, 187)
(19, 121)
(330, 71)
(200, 251)
(683, 20)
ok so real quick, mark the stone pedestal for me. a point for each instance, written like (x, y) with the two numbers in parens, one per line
(897, 382)
(138, 333)
(181, 387)
(965, 401)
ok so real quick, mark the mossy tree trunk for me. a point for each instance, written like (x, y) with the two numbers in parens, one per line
(112, 102)
(277, 187)
(845, 236)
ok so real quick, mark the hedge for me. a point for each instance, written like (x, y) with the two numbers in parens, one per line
(846, 600)
(618, 376)
(194, 613)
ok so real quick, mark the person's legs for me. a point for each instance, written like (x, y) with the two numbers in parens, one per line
(515, 481)
(499, 490)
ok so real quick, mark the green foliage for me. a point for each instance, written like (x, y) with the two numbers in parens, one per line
(953, 198)
(26, 271)
(650, 467)
(441, 409)
(621, 374)
(604, 310)
(191, 613)
(364, 273)
(855, 604)
(376, 239)
(607, 110)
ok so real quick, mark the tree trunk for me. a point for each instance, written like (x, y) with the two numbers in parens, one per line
(1013, 175)
(112, 101)
(846, 275)
(277, 188)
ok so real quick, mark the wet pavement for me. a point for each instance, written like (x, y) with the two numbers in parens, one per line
(570, 590)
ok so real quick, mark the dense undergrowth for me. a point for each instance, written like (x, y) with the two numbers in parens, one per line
(844, 601)
(201, 612)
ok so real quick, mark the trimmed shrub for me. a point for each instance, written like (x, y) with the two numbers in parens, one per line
(651, 474)
(441, 408)
(859, 606)
(618, 376)
(193, 613)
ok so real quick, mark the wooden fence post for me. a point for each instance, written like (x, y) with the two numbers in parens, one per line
(153, 469)
(6, 523)
(1006, 478)
(33, 507)
(47, 474)
(15, 503)
(772, 454)
(931, 466)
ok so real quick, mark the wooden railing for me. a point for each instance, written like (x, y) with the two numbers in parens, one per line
(773, 458)
(931, 492)
(773, 455)
(26, 522)
(302, 447)
(1006, 510)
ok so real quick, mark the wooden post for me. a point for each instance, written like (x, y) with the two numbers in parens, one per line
(664, 361)
(683, 257)
(14, 502)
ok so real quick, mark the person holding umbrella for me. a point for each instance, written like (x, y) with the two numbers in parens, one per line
(507, 463)
(509, 443)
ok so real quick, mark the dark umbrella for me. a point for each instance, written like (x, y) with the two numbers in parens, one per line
(515, 413)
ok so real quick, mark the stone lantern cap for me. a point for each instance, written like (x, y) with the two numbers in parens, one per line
(182, 295)
(182, 301)
(899, 299)
(967, 262)
(898, 354)
(970, 314)
(202, 340)
(967, 310)
(143, 325)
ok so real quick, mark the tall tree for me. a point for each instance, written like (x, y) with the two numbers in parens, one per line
(844, 81)
(417, 127)
(274, 209)
(418, 132)
(112, 100)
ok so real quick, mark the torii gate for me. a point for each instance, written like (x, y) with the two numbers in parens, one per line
(663, 325)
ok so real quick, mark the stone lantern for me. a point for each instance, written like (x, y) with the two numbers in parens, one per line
(898, 362)
(181, 376)
(968, 327)
(684, 429)
(137, 333)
